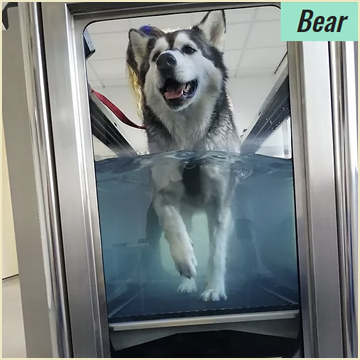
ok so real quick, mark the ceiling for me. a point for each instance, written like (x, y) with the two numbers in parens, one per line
(252, 45)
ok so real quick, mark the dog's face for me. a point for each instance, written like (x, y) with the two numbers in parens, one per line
(177, 69)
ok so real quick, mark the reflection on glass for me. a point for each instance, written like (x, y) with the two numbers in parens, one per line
(196, 221)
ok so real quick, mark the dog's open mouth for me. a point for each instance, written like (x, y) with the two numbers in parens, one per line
(173, 90)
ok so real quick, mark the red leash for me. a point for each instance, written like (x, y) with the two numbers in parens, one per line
(118, 113)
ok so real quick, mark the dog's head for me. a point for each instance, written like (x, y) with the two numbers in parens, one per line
(178, 68)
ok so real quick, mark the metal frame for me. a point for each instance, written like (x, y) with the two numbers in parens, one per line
(33, 193)
(45, 179)
(206, 320)
(344, 102)
(313, 165)
(315, 198)
(280, 323)
(77, 193)
(106, 11)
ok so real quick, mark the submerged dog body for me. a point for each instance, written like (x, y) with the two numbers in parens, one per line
(185, 106)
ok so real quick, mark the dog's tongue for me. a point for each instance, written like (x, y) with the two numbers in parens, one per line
(174, 93)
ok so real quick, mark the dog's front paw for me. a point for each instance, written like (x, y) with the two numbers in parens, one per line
(184, 258)
(187, 286)
(213, 295)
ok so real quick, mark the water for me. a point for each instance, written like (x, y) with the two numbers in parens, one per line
(141, 279)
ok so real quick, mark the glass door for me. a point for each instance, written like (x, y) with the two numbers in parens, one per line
(143, 279)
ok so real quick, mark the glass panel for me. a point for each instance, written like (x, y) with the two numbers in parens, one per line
(196, 212)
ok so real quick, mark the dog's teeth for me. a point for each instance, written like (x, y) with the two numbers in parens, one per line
(187, 88)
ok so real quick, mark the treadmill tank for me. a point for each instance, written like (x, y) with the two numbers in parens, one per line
(141, 279)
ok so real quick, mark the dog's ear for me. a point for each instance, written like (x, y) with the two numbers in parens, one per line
(138, 43)
(213, 25)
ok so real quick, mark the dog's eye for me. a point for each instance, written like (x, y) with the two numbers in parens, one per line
(156, 55)
(188, 50)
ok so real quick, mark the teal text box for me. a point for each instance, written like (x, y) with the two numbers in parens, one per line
(318, 17)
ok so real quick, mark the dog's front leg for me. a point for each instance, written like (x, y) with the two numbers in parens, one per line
(167, 197)
(187, 286)
(219, 228)
(181, 246)
(216, 180)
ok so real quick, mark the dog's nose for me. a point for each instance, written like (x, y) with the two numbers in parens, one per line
(166, 61)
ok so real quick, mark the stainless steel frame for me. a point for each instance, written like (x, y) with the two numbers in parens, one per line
(278, 323)
(77, 193)
(206, 320)
(313, 150)
(315, 198)
(45, 178)
(33, 191)
(344, 101)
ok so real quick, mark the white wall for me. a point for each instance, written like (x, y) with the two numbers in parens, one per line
(248, 94)
(9, 257)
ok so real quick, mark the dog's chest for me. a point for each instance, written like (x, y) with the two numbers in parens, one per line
(197, 187)
(188, 128)
(191, 178)
(186, 132)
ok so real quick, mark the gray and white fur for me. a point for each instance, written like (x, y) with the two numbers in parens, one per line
(186, 107)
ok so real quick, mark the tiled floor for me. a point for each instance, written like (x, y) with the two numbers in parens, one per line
(13, 338)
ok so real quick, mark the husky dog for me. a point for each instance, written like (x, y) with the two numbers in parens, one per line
(182, 81)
